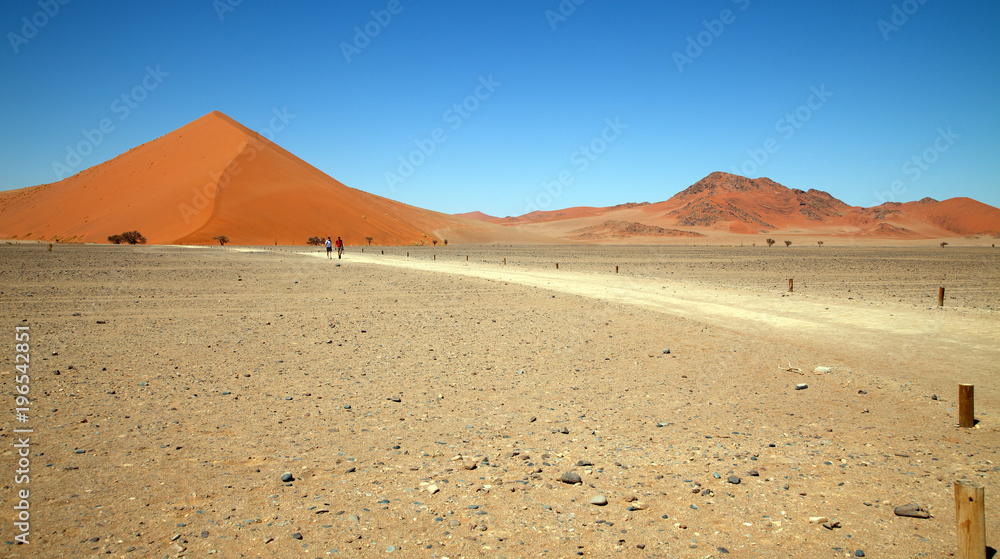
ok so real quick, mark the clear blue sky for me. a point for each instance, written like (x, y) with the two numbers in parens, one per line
(659, 94)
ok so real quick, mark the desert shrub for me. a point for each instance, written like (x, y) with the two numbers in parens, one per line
(770, 242)
(115, 239)
(316, 241)
(788, 243)
(222, 239)
(446, 241)
(943, 244)
(435, 241)
(133, 238)
(820, 243)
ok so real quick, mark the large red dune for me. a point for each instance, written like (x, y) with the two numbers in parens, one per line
(216, 177)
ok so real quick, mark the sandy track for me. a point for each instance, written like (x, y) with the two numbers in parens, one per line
(782, 314)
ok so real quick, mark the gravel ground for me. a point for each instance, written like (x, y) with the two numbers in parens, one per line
(423, 412)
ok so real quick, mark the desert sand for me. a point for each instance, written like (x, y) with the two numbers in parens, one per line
(426, 402)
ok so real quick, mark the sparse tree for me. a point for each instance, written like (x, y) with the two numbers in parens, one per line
(446, 242)
(820, 243)
(115, 239)
(131, 237)
(788, 243)
(770, 242)
(943, 244)
(435, 241)
(369, 239)
(315, 241)
(222, 239)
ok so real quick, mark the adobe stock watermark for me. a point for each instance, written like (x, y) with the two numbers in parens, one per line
(30, 26)
(581, 160)
(916, 166)
(121, 106)
(202, 197)
(224, 7)
(562, 12)
(697, 44)
(365, 34)
(899, 17)
(787, 126)
(455, 116)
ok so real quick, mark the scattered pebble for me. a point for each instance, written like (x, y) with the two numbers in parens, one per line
(912, 510)
(287, 477)
(801, 386)
(599, 500)
(571, 478)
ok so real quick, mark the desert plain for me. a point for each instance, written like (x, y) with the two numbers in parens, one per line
(429, 401)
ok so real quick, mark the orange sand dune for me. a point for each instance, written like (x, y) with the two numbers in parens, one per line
(216, 177)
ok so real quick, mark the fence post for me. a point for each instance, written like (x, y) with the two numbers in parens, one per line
(970, 519)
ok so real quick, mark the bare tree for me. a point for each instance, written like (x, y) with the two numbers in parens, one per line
(222, 239)
(369, 239)
(943, 244)
(820, 243)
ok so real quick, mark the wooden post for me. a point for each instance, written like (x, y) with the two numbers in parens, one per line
(434, 257)
(940, 296)
(966, 405)
(616, 269)
(504, 261)
(791, 286)
(383, 252)
(557, 265)
(407, 254)
(466, 257)
(970, 519)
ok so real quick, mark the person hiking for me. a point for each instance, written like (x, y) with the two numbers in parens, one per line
(340, 247)
(329, 248)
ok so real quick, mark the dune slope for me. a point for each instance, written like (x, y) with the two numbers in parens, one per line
(216, 177)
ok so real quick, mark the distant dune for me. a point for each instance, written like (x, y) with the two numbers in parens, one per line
(216, 177)
(726, 206)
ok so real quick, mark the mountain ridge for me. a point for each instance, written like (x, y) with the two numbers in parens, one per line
(739, 205)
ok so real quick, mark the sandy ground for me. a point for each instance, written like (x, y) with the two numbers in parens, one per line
(426, 402)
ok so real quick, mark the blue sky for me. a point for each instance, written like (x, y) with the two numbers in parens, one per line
(515, 105)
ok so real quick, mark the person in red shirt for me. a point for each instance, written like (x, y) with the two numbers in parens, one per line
(340, 247)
